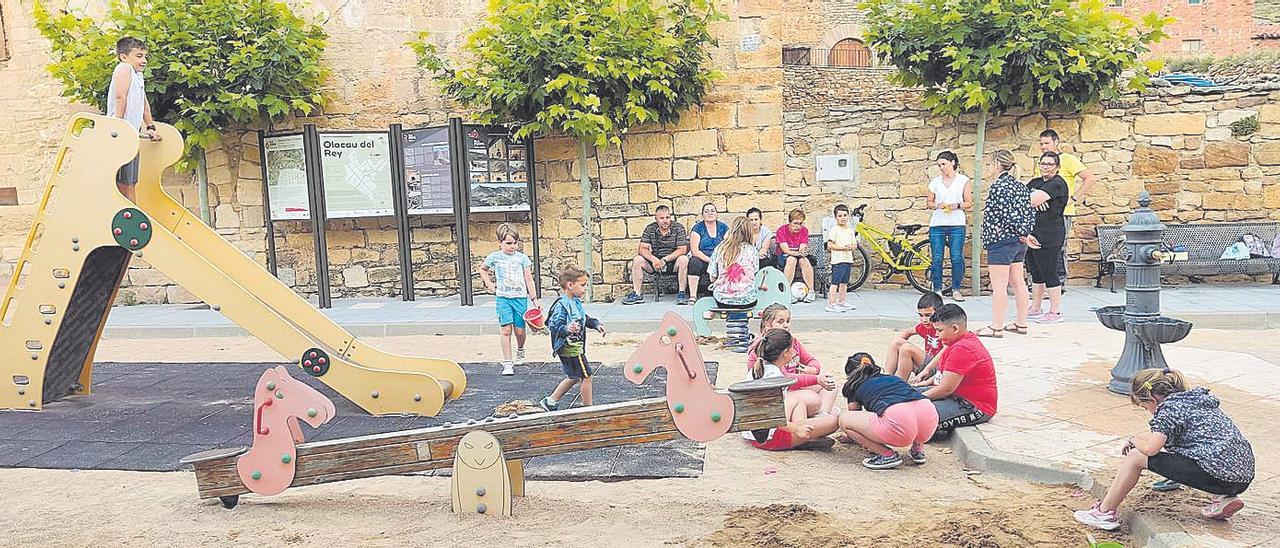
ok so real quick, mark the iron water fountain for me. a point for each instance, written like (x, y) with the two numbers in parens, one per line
(1144, 328)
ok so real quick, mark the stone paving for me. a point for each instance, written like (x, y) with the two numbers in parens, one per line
(1054, 406)
(1251, 306)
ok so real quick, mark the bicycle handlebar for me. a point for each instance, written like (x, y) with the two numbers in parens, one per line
(858, 210)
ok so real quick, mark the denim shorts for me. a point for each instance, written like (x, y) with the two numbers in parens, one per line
(511, 310)
(840, 273)
(1006, 253)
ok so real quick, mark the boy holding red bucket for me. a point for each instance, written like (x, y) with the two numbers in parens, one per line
(508, 274)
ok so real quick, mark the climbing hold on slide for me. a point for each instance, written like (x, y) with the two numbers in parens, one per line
(129, 229)
(316, 362)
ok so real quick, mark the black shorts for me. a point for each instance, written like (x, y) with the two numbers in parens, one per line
(1188, 472)
(128, 173)
(697, 267)
(576, 367)
(955, 411)
(1042, 264)
(669, 268)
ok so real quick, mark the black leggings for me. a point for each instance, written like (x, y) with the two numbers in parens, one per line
(1042, 264)
(1188, 472)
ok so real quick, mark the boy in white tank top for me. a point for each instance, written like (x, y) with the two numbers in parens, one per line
(127, 99)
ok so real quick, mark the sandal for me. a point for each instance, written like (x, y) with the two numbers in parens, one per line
(1015, 328)
(990, 332)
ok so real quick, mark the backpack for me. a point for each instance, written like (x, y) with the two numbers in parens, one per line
(1257, 248)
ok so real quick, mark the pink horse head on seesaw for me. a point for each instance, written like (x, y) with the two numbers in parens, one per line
(279, 401)
(700, 413)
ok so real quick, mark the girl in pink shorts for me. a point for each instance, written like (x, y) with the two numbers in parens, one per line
(885, 412)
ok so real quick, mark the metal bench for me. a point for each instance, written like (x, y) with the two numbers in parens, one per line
(1205, 244)
(658, 279)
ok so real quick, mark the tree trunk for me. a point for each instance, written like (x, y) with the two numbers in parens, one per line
(202, 184)
(587, 244)
(976, 234)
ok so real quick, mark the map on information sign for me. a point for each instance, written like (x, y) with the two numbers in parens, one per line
(357, 174)
(286, 177)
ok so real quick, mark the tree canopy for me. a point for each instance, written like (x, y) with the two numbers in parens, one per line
(211, 63)
(997, 54)
(587, 68)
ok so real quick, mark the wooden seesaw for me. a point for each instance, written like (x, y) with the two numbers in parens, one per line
(693, 408)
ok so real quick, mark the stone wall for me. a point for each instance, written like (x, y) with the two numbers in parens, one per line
(724, 152)
(1173, 142)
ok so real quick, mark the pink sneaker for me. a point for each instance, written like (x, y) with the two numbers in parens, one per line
(1049, 317)
(1095, 517)
(1034, 313)
(1222, 507)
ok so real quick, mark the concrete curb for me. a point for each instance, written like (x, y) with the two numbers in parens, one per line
(977, 453)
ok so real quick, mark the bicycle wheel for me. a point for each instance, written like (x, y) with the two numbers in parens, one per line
(915, 257)
(859, 269)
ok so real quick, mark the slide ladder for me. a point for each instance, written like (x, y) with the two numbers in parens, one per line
(78, 250)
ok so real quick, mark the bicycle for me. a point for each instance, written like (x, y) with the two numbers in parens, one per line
(896, 251)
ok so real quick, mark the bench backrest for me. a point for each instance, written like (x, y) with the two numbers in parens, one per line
(1204, 242)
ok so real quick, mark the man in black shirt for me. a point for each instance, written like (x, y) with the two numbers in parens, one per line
(664, 247)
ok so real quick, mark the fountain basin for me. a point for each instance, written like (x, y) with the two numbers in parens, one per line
(1162, 330)
(1112, 317)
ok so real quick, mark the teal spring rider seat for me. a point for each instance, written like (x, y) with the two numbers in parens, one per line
(771, 287)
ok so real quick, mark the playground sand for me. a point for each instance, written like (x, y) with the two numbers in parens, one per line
(741, 500)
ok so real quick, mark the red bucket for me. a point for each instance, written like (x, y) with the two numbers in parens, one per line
(533, 317)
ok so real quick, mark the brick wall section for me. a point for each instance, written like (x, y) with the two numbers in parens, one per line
(1223, 26)
(1172, 142)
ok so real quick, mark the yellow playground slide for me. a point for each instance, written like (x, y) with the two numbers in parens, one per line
(78, 249)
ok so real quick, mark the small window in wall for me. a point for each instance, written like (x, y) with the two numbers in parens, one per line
(1192, 45)
(849, 52)
(1194, 2)
(1116, 3)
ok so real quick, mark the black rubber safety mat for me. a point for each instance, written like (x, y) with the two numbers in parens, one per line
(147, 416)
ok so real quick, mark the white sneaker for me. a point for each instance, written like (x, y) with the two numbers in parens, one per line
(834, 308)
(519, 357)
(1095, 517)
(847, 306)
(508, 368)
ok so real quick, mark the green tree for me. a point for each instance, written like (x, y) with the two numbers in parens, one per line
(212, 64)
(993, 55)
(589, 69)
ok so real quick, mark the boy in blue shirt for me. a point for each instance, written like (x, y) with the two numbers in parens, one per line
(508, 273)
(568, 323)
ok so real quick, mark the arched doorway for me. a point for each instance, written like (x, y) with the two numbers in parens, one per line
(849, 52)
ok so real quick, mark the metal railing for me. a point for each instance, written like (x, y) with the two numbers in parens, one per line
(840, 57)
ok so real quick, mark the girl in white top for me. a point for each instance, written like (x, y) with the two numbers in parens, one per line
(950, 195)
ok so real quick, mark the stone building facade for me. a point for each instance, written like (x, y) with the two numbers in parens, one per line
(736, 151)
(728, 149)
(1217, 27)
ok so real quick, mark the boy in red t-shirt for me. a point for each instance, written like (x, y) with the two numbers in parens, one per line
(905, 359)
(967, 394)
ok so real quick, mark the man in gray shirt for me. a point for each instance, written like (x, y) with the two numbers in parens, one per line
(664, 247)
